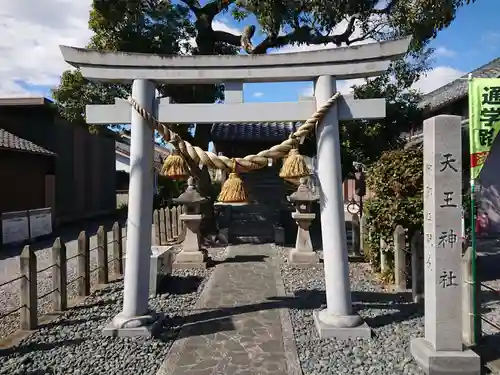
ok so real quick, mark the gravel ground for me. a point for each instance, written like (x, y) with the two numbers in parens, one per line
(9, 269)
(393, 320)
(74, 344)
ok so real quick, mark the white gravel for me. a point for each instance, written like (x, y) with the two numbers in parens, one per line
(393, 320)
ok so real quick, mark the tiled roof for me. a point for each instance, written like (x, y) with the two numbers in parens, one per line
(13, 142)
(256, 132)
(457, 89)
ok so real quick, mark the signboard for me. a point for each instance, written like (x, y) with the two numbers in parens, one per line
(40, 222)
(15, 227)
(484, 120)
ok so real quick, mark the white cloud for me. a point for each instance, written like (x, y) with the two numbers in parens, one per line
(337, 30)
(437, 77)
(258, 94)
(444, 52)
(430, 81)
(29, 47)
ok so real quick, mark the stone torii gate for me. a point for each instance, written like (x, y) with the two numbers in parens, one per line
(323, 67)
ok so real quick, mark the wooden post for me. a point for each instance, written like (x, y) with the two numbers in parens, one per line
(400, 258)
(363, 234)
(28, 289)
(417, 267)
(384, 266)
(168, 225)
(117, 250)
(163, 239)
(59, 276)
(356, 235)
(156, 228)
(468, 301)
(102, 256)
(83, 283)
(175, 223)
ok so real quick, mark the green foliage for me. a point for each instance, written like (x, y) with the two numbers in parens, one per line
(365, 140)
(169, 189)
(396, 180)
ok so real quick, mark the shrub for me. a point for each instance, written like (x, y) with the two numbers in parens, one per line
(396, 180)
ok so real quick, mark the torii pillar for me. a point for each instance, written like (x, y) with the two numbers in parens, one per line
(323, 67)
(135, 319)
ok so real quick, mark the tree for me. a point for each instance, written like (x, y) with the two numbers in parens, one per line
(162, 27)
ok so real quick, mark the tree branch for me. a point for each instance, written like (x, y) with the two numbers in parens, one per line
(300, 34)
(303, 35)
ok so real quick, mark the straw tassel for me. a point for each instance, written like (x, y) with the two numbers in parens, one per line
(294, 167)
(233, 190)
(175, 167)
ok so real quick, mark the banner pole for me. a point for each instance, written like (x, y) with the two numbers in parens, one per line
(475, 284)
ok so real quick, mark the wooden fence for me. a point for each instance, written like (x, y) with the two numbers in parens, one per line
(167, 225)
(29, 297)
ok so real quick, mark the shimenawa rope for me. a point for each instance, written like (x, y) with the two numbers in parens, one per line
(249, 162)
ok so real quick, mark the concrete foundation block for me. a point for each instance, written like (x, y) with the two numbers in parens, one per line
(147, 327)
(303, 259)
(190, 259)
(444, 362)
(326, 331)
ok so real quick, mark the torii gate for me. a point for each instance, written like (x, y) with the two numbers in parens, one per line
(323, 67)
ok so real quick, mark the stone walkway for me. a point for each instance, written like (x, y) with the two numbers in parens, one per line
(240, 325)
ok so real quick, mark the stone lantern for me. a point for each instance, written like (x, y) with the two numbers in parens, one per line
(191, 255)
(303, 254)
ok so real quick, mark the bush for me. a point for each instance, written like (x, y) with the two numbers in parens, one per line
(396, 180)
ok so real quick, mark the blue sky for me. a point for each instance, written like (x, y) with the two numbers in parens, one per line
(31, 62)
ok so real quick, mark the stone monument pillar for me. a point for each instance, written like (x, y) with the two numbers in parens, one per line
(135, 319)
(441, 351)
(337, 320)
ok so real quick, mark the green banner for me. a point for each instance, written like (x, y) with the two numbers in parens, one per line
(484, 120)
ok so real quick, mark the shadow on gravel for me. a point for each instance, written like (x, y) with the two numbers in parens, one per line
(71, 322)
(387, 301)
(34, 347)
(94, 304)
(179, 284)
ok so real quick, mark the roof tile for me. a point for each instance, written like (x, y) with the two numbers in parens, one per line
(15, 143)
(257, 132)
(457, 89)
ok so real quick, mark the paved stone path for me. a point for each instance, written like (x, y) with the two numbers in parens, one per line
(240, 325)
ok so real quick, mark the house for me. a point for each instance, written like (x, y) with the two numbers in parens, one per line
(27, 172)
(452, 99)
(122, 152)
(83, 170)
